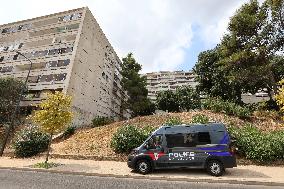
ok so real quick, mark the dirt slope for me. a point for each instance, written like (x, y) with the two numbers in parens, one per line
(96, 141)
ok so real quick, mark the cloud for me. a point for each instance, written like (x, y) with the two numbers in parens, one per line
(158, 32)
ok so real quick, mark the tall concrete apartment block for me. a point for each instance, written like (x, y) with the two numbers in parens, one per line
(70, 53)
(166, 80)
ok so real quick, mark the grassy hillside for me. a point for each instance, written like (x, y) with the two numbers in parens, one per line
(96, 141)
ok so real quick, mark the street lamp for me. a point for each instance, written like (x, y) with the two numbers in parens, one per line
(16, 107)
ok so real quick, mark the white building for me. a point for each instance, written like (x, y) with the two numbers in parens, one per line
(166, 80)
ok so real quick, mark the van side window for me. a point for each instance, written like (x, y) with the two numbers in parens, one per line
(204, 138)
(181, 140)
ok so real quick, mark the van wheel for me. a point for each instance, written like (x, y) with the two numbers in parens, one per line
(143, 166)
(215, 168)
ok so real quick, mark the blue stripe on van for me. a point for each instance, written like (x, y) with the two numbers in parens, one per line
(219, 147)
(225, 139)
(219, 153)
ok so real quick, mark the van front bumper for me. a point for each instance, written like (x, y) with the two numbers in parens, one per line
(130, 162)
(229, 161)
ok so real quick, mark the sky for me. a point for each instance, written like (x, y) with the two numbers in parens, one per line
(162, 34)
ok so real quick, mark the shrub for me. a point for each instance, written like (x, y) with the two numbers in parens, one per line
(183, 99)
(69, 131)
(188, 98)
(29, 142)
(168, 101)
(100, 121)
(258, 146)
(46, 165)
(200, 118)
(272, 114)
(173, 121)
(128, 137)
(269, 105)
(229, 108)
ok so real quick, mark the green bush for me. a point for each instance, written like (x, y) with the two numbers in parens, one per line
(128, 137)
(69, 131)
(173, 121)
(29, 142)
(200, 118)
(183, 99)
(269, 105)
(229, 108)
(257, 145)
(100, 121)
(46, 165)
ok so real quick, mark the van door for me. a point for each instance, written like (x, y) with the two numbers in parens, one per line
(183, 149)
(155, 149)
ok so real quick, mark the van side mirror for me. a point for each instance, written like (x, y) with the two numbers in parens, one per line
(147, 146)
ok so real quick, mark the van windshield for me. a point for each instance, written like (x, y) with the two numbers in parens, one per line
(155, 142)
(150, 136)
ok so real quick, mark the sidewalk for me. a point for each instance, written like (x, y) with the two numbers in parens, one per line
(241, 175)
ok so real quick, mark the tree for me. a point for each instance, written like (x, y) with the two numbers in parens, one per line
(212, 77)
(10, 91)
(280, 97)
(54, 115)
(254, 39)
(135, 85)
(183, 99)
(188, 98)
(246, 60)
(168, 101)
(145, 107)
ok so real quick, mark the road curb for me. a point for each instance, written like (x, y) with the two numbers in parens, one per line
(196, 180)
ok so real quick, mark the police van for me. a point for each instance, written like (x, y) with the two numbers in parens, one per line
(197, 146)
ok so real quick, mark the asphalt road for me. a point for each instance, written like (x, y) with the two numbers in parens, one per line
(32, 180)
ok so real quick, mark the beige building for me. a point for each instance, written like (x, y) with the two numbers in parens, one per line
(70, 53)
(166, 80)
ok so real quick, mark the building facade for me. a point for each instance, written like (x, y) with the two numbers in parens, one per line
(166, 80)
(70, 53)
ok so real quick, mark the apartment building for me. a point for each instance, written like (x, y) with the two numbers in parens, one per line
(166, 80)
(70, 53)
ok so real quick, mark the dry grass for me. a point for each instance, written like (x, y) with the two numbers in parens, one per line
(96, 141)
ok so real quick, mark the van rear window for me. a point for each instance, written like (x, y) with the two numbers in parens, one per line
(187, 139)
(204, 138)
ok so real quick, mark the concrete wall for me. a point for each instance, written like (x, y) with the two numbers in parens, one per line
(92, 77)
(90, 68)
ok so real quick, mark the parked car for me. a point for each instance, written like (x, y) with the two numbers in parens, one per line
(196, 146)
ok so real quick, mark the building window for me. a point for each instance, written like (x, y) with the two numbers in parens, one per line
(5, 30)
(63, 62)
(74, 16)
(33, 79)
(67, 17)
(7, 69)
(16, 28)
(20, 27)
(15, 57)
